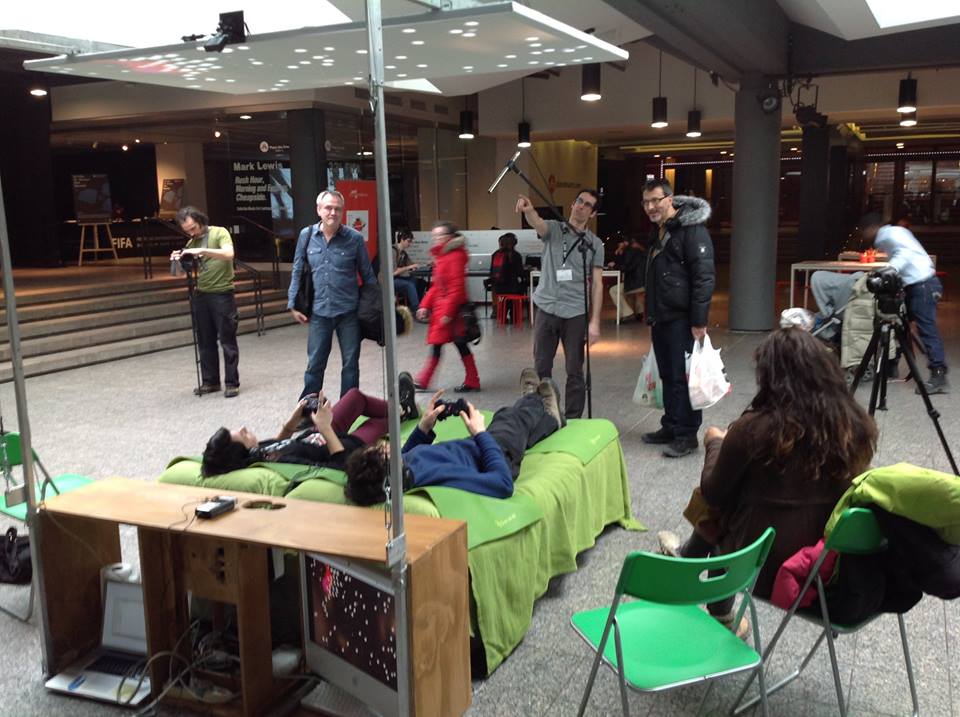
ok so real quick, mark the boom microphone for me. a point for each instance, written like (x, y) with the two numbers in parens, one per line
(503, 172)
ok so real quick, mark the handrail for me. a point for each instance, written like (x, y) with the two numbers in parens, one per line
(275, 262)
(245, 269)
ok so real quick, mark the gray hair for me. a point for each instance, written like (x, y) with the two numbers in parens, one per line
(332, 192)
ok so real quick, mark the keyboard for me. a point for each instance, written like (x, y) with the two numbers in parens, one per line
(118, 665)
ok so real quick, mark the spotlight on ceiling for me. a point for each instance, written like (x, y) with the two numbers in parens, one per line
(217, 133)
(523, 135)
(769, 100)
(808, 116)
(659, 120)
(590, 83)
(466, 125)
(230, 31)
(38, 92)
(907, 99)
(125, 147)
(246, 117)
(908, 119)
(693, 123)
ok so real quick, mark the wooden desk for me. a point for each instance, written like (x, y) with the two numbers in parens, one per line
(225, 560)
(844, 267)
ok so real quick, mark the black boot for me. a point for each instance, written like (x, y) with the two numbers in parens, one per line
(937, 383)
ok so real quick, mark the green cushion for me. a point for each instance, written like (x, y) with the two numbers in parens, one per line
(255, 479)
(666, 645)
(325, 491)
(64, 484)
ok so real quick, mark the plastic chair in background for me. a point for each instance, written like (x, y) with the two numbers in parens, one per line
(856, 533)
(516, 301)
(664, 639)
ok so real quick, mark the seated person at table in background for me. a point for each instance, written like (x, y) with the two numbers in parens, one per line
(630, 258)
(506, 270)
(784, 463)
(486, 463)
(404, 283)
(325, 440)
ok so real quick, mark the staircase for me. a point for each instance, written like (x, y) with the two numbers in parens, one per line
(66, 328)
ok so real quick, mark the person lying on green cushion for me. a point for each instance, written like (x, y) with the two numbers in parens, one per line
(487, 463)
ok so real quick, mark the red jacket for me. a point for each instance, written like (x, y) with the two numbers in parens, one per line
(448, 291)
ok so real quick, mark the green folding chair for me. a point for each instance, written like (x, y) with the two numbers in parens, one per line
(10, 447)
(856, 533)
(664, 639)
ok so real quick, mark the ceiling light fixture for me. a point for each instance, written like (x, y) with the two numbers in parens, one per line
(693, 116)
(590, 83)
(125, 147)
(907, 99)
(523, 129)
(660, 102)
(38, 92)
(466, 125)
(246, 117)
(217, 133)
(908, 119)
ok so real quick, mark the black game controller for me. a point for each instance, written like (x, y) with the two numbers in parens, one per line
(452, 408)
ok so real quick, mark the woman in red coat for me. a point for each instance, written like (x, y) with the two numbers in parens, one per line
(447, 293)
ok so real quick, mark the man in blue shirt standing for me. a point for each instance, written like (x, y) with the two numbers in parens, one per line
(336, 255)
(922, 287)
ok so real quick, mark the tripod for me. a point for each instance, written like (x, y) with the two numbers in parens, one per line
(891, 318)
(190, 269)
(580, 245)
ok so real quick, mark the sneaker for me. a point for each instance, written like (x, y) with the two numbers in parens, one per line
(407, 397)
(529, 380)
(662, 436)
(681, 446)
(421, 387)
(550, 395)
(231, 392)
(464, 388)
(743, 628)
(937, 383)
(206, 388)
(669, 543)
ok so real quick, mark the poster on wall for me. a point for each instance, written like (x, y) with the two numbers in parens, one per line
(171, 197)
(91, 198)
(281, 201)
(360, 212)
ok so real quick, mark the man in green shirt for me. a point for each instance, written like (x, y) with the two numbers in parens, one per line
(214, 304)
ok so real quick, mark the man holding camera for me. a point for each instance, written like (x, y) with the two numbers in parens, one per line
(215, 308)
(921, 286)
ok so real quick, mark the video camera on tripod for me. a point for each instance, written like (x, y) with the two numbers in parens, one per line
(186, 263)
(888, 288)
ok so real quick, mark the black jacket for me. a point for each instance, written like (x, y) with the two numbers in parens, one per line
(680, 272)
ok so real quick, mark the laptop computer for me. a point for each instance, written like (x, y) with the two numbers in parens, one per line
(122, 651)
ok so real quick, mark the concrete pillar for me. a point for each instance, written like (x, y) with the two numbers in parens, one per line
(814, 180)
(756, 196)
(308, 162)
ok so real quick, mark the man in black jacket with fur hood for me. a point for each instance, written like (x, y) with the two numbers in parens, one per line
(680, 280)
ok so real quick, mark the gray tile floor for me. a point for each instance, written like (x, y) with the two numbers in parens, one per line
(130, 417)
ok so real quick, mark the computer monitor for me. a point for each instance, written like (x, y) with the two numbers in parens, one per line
(350, 630)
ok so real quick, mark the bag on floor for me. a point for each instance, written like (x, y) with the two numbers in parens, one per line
(649, 390)
(470, 323)
(706, 380)
(15, 565)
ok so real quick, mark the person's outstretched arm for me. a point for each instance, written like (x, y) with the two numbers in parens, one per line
(323, 421)
(493, 471)
(423, 433)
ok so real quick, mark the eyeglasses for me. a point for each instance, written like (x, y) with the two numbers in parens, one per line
(653, 202)
(583, 202)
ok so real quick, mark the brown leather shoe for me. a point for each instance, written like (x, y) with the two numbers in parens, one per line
(231, 392)
(529, 381)
(206, 388)
(550, 395)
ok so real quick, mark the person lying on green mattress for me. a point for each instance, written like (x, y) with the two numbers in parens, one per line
(326, 440)
(486, 463)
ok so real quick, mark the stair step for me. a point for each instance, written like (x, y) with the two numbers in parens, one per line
(118, 332)
(74, 358)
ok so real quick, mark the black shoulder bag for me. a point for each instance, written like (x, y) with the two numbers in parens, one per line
(303, 301)
(15, 565)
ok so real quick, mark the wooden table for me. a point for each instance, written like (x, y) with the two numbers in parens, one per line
(844, 267)
(225, 560)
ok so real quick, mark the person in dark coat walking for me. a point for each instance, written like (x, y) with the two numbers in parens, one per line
(442, 302)
(679, 286)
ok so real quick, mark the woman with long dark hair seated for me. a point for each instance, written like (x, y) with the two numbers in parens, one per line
(784, 463)
(318, 437)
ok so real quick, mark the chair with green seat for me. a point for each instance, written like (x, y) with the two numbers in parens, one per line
(664, 639)
(856, 533)
(11, 456)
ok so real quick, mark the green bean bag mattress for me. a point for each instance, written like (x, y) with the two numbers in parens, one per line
(571, 486)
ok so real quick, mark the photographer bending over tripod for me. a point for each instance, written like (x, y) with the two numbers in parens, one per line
(923, 290)
(486, 463)
(327, 440)
(213, 305)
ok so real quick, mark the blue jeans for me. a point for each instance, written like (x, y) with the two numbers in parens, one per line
(922, 299)
(319, 341)
(408, 289)
(671, 341)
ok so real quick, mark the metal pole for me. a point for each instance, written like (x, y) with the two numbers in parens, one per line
(396, 538)
(23, 422)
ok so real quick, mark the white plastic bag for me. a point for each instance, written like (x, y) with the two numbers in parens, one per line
(705, 379)
(649, 390)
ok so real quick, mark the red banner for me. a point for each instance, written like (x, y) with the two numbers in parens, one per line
(360, 212)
